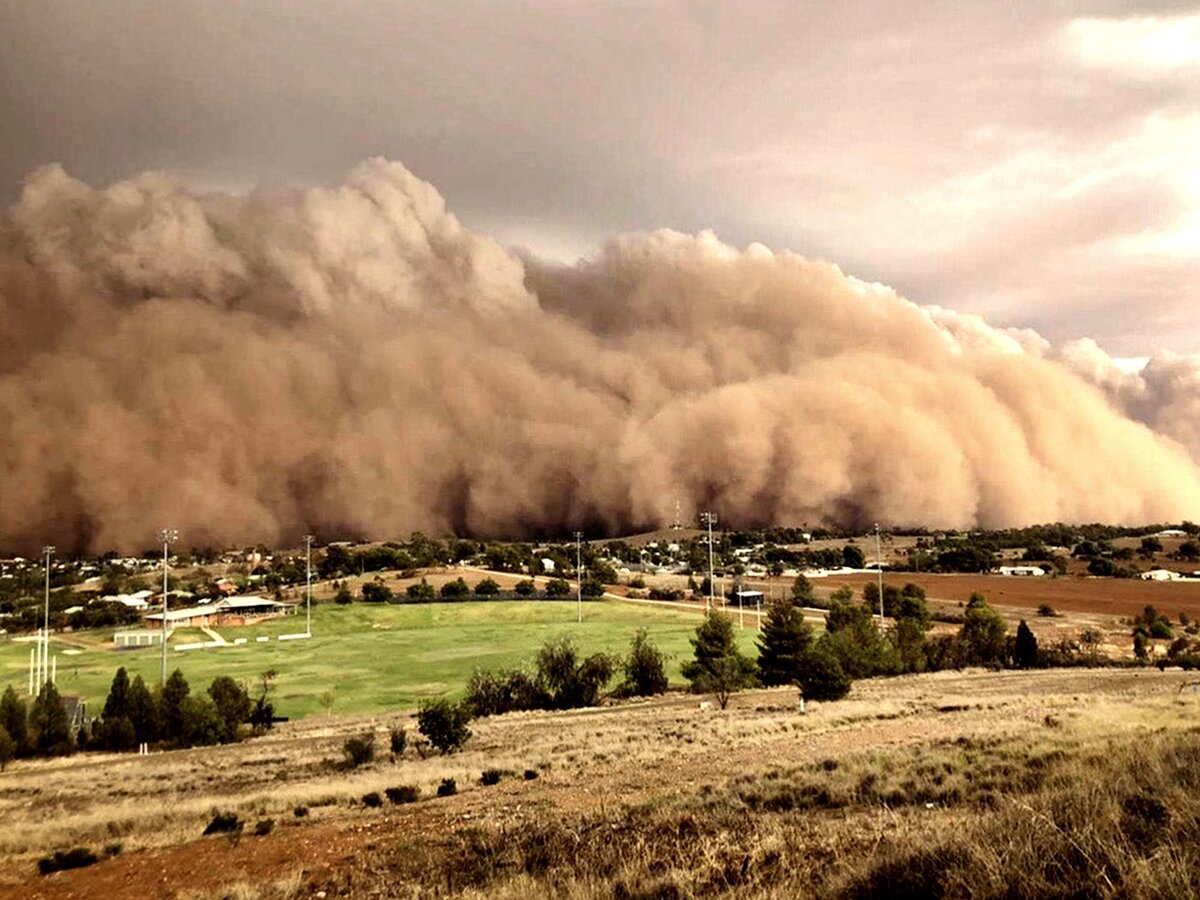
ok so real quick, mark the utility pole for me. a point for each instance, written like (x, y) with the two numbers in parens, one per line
(879, 568)
(709, 519)
(44, 672)
(308, 539)
(579, 574)
(168, 536)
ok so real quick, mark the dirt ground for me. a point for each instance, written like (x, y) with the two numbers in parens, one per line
(585, 761)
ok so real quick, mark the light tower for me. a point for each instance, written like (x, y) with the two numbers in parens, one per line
(308, 541)
(168, 536)
(879, 568)
(44, 670)
(579, 573)
(709, 519)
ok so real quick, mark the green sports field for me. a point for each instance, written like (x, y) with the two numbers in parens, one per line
(372, 657)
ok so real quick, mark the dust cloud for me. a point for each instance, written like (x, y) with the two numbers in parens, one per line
(353, 361)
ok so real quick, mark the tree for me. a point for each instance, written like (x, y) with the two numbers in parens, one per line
(558, 587)
(821, 675)
(802, 591)
(117, 703)
(376, 592)
(233, 705)
(8, 749)
(1150, 545)
(569, 682)
(1026, 649)
(487, 588)
(14, 719)
(455, 589)
(202, 724)
(171, 706)
(421, 592)
(524, 587)
(1139, 646)
(1188, 550)
(262, 715)
(143, 711)
(852, 557)
(591, 588)
(444, 724)
(783, 641)
(982, 636)
(645, 668)
(51, 731)
(719, 667)
(853, 637)
(603, 571)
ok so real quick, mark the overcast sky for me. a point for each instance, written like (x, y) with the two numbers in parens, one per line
(1036, 163)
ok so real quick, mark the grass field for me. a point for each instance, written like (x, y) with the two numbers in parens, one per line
(373, 657)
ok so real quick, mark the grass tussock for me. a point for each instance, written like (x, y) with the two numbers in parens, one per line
(1111, 819)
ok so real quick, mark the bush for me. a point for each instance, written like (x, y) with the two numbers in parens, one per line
(405, 793)
(455, 589)
(495, 693)
(8, 748)
(490, 777)
(487, 588)
(531, 774)
(445, 724)
(377, 592)
(224, 823)
(360, 749)
(399, 739)
(300, 812)
(645, 668)
(264, 827)
(524, 588)
(61, 860)
(343, 596)
(448, 788)
(572, 684)
(372, 800)
(421, 592)
(1046, 611)
(558, 587)
(591, 587)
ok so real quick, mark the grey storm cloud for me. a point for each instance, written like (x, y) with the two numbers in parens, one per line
(353, 359)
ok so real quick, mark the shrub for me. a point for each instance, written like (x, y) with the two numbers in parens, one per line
(1046, 611)
(343, 596)
(591, 587)
(455, 589)
(524, 588)
(487, 588)
(421, 592)
(264, 827)
(531, 774)
(377, 592)
(405, 793)
(224, 823)
(558, 587)
(359, 749)
(372, 800)
(300, 812)
(445, 724)
(61, 860)
(1161, 629)
(571, 683)
(399, 739)
(490, 777)
(645, 668)
(8, 748)
(495, 693)
(447, 788)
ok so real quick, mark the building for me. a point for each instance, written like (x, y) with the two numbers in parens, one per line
(145, 637)
(226, 611)
(1023, 571)
(1161, 575)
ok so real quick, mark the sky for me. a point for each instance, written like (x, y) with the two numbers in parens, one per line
(1034, 163)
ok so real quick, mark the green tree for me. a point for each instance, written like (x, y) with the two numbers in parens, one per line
(487, 588)
(1139, 646)
(171, 707)
(783, 641)
(524, 587)
(455, 589)
(14, 719)
(421, 592)
(645, 668)
(233, 705)
(821, 675)
(558, 587)
(718, 668)
(1025, 650)
(982, 636)
(444, 724)
(591, 588)
(143, 711)
(852, 557)
(48, 724)
(117, 704)
(201, 722)
(376, 592)
(853, 637)
(572, 683)
(802, 591)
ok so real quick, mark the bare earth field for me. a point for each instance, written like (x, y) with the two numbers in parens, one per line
(594, 768)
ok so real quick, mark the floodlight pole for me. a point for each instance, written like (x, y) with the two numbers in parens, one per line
(308, 540)
(709, 518)
(879, 568)
(579, 574)
(44, 672)
(168, 536)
